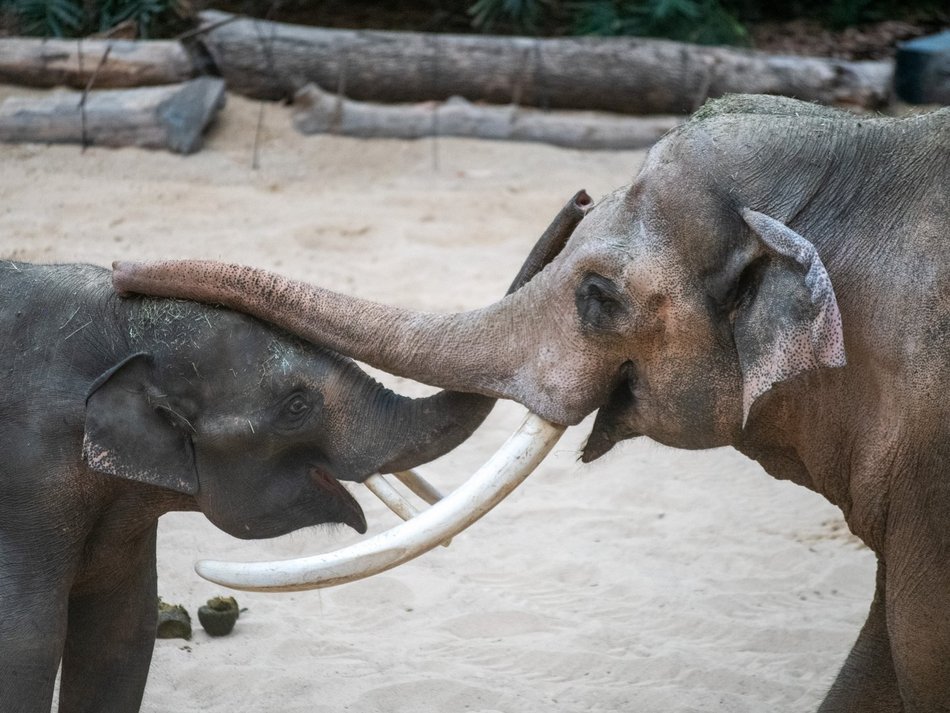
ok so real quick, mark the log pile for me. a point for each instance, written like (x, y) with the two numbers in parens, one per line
(423, 84)
(271, 60)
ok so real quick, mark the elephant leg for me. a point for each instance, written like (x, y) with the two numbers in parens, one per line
(918, 595)
(110, 638)
(31, 643)
(866, 682)
(33, 595)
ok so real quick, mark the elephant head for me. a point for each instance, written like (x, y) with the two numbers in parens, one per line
(259, 427)
(255, 426)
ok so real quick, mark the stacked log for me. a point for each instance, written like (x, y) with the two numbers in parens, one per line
(271, 60)
(172, 117)
(459, 75)
(73, 63)
(317, 111)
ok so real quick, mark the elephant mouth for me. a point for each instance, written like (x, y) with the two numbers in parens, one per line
(601, 439)
(344, 507)
(611, 425)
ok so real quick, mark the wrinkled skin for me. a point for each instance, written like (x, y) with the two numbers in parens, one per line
(775, 279)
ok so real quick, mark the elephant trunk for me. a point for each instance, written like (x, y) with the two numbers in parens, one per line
(427, 428)
(473, 353)
(424, 429)
(480, 351)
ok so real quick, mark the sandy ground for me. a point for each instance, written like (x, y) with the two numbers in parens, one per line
(651, 581)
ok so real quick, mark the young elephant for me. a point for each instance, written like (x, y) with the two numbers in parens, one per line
(115, 411)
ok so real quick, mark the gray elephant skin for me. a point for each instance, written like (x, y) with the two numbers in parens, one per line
(777, 279)
(114, 412)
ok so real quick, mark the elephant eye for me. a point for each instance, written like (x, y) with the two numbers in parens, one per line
(294, 409)
(598, 302)
(297, 405)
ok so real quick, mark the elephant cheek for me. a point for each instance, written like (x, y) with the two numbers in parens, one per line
(226, 498)
(678, 402)
(705, 415)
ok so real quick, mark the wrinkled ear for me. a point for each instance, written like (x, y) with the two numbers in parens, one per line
(131, 431)
(792, 323)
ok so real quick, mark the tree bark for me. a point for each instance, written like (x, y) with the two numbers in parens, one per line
(319, 112)
(626, 75)
(274, 60)
(71, 63)
(170, 117)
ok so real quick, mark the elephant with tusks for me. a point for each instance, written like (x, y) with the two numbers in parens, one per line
(775, 279)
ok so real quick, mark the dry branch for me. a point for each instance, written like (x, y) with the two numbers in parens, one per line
(317, 111)
(168, 117)
(627, 75)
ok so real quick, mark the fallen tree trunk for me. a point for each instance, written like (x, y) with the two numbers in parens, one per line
(168, 117)
(317, 111)
(72, 63)
(626, 75)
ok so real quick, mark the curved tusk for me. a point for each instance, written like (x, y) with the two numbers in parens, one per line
(490, 484)
(419, 485)
(384, 490)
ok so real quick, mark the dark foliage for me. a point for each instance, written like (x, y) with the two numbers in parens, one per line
(701, 21)
(78, 18)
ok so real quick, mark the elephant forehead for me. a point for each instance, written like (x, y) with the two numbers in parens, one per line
(279, 359)
(638, 218)
(249, 356)
(625, 244)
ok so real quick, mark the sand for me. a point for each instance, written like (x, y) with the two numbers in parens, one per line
(651, 581)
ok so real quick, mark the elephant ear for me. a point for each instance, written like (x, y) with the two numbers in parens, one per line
(792, 324)
(131, 432)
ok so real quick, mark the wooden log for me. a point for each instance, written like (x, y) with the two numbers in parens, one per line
(71, 63)
(169, 117)
(627, 75)
(317, 111)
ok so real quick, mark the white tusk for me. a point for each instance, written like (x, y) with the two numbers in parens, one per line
(383, 489)
(419, 485)
(503, 472)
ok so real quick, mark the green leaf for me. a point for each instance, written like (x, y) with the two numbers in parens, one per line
(523, 14)
(48, 18)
